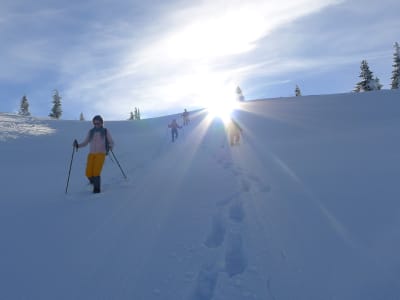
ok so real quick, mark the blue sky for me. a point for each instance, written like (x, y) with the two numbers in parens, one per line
(107, 57)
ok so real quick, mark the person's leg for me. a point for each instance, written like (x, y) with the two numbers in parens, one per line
(98, 163)
(97, 167)
(89, 167)
(174, 134)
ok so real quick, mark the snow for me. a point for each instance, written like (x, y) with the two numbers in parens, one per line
(307, 207)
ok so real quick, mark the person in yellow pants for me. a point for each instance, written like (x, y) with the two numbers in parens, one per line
(101, 142)
(234, 131)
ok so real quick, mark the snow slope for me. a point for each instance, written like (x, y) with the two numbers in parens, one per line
(307, 207)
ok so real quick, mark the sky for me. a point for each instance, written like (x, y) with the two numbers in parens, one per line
(305, 207)
(108, 57)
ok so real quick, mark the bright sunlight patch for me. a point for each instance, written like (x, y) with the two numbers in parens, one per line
(14, 126)
(221, 109)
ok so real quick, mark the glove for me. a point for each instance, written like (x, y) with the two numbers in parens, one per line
(76, 144)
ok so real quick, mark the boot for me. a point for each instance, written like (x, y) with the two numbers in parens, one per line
(96, 184)
(90, 180)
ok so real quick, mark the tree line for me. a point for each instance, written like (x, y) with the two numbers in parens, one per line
(369, 82)
(56, 110)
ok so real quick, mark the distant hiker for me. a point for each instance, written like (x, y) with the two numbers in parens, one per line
(185, 117)
(234, 132)
(174, 129)
(100, 141)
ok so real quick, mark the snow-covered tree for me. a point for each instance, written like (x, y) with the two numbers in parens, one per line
(56, 111)
(137, 113)
(368, 82)
(24, 107)
(297, 91)
(396, 67)
(239, 94)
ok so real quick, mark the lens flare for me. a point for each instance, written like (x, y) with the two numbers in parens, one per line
(221, 109)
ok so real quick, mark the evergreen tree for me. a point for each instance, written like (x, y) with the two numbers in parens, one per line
(81, 117)
(24, 107)
(297, 91)
(56, 111)
(367, 83)
(396, 67)
(239, 94)
(137, 114)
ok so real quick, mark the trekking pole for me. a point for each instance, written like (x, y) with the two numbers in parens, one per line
(70, 167)
(111, 159)
(118, 164)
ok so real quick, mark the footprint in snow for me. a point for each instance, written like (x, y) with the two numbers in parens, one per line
(205, 284)
(228, 199)
(217, 234)
(235, 259)
(236, 211)
(264, 188)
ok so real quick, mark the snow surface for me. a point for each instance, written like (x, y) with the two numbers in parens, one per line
(307, 207)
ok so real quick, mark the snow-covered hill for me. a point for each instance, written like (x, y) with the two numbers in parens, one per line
(307, 207)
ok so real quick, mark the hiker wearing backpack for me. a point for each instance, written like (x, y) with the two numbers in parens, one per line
(185, 117)
(174, 129)
(234, 131)
(101, 142)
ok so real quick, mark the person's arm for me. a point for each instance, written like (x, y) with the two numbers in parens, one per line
(85, 142)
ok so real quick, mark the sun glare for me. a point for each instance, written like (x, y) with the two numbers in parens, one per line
(218, 98)
(221, 108)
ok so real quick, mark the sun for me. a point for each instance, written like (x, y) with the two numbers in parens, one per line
(221, 108)
(220, 100)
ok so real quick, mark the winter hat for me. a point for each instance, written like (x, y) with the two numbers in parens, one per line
(98, 118)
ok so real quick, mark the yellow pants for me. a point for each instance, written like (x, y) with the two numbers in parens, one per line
(94, 164)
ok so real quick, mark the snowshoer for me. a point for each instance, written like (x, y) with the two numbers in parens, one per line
(234, 132)
(100, 141)
(185, 117)
(174, 129)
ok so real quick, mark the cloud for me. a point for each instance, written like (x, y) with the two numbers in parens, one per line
(188, 56)
(103, 63)
(27, 46)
